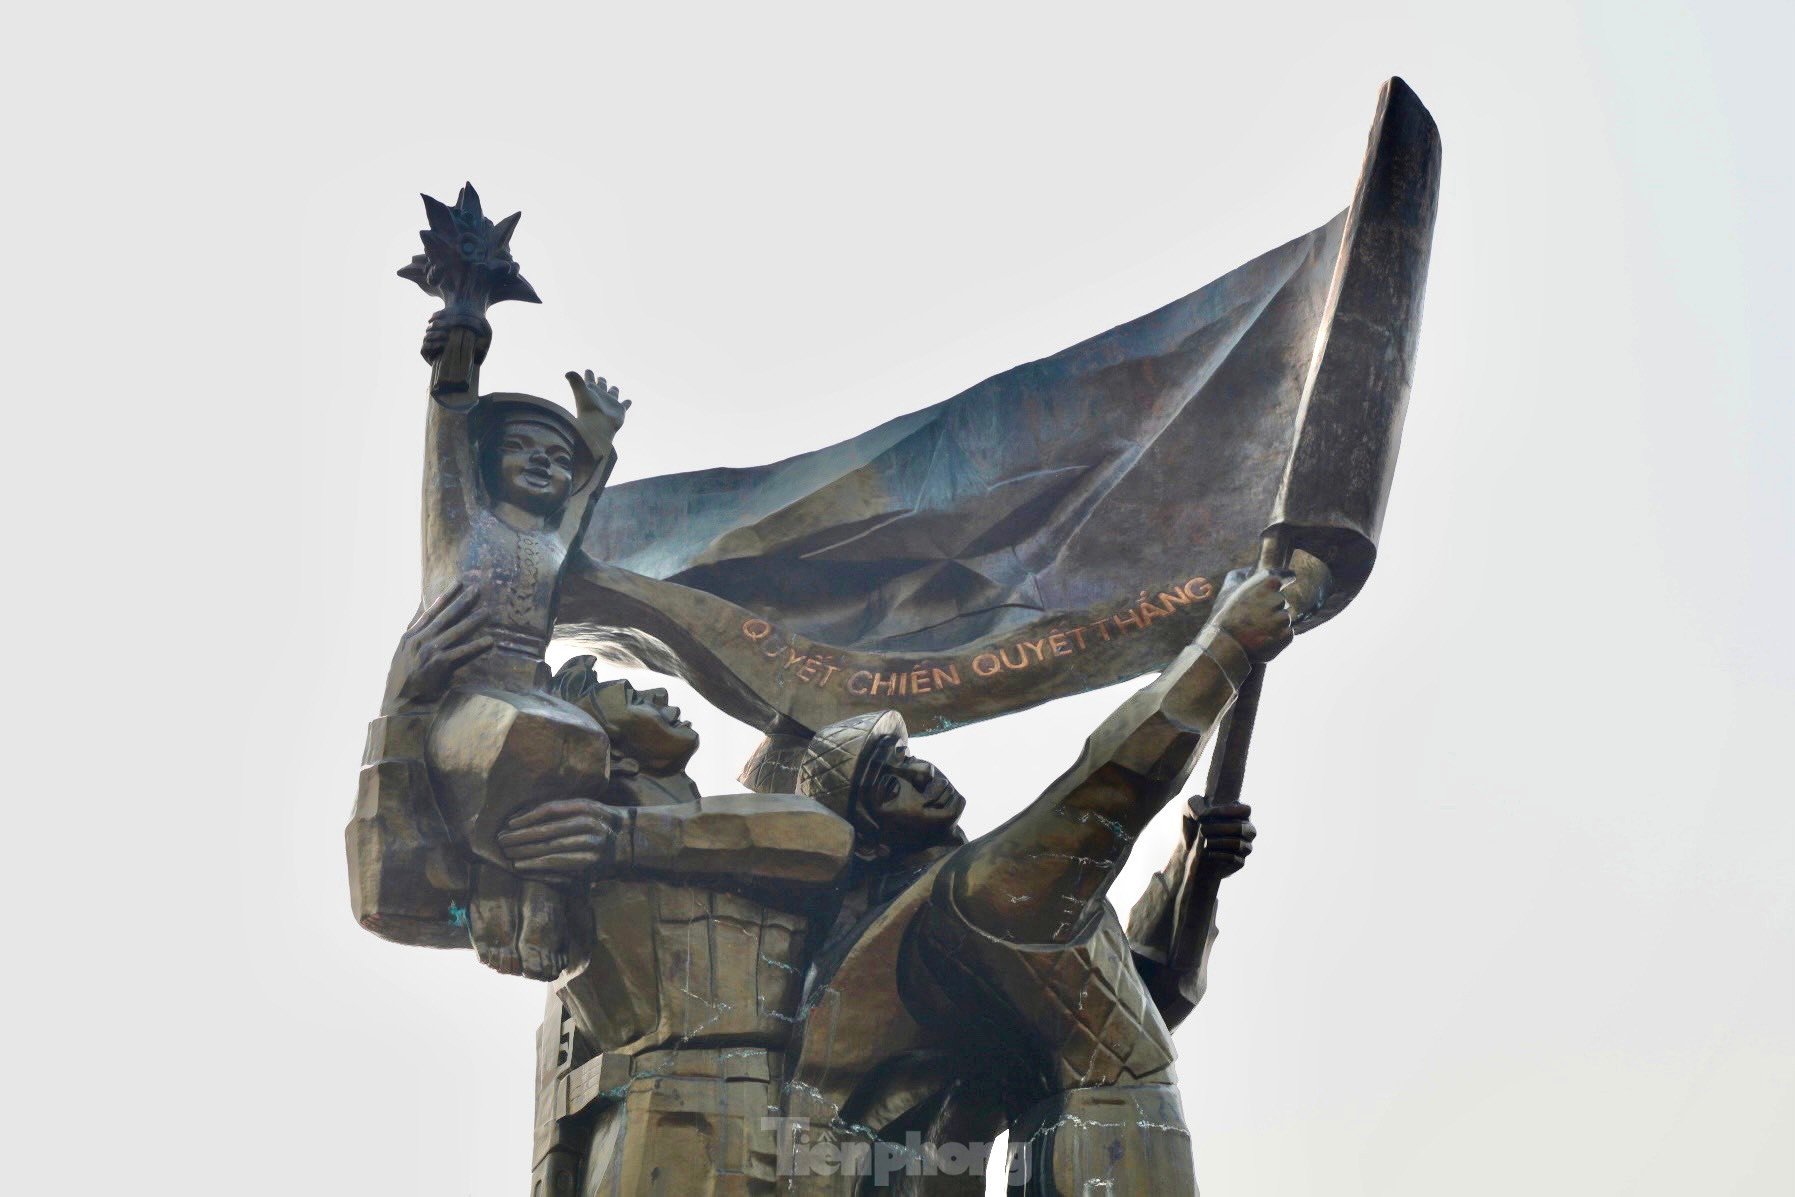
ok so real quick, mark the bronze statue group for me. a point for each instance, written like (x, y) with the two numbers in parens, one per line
(817, 987)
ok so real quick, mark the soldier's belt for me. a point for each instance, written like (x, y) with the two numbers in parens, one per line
(609, 1074)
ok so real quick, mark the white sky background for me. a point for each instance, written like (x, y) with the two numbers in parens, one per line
(1521, 919)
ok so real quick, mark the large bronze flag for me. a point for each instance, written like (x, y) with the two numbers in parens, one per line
(1059, 527)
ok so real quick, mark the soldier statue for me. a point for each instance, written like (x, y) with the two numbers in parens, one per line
(823, 988)
(966, 989)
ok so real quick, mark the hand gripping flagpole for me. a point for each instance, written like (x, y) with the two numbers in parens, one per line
(1330, 506)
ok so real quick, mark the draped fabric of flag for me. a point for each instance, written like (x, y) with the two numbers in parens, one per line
(1061, 526)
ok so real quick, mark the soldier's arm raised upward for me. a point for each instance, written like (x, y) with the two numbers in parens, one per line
(1040, 877)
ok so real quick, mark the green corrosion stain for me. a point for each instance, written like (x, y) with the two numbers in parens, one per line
(457, 915)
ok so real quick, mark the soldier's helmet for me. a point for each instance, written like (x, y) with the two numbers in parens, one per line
(845, 757)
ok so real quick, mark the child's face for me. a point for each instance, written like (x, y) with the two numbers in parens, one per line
(532, 466)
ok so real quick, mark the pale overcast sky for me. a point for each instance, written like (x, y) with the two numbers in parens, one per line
(1522, 915)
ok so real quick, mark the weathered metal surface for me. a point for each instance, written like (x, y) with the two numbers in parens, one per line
(1059, 527)
(1349, 426)
(841, 955)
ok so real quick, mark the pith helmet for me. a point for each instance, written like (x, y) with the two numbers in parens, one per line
(842, 757)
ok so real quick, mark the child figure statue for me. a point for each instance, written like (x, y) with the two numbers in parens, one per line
(509, 482)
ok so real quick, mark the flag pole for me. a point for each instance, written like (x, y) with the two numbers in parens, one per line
(1197, 892)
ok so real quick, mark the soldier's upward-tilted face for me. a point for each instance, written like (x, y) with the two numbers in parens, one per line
(650, 730)
(530, 465)
(912, 801)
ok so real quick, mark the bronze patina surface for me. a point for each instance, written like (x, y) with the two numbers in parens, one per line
(1056, 528)
(821, 986)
